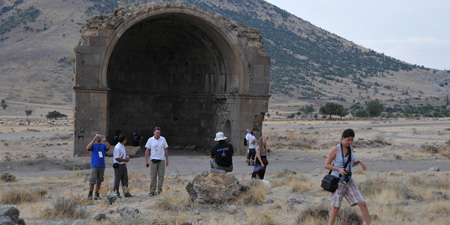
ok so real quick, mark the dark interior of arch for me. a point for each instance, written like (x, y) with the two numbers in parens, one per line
(166, 72)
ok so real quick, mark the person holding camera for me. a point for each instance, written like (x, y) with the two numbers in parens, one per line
(158, 150)
(344, 160)
(121, 172)
(97, 149)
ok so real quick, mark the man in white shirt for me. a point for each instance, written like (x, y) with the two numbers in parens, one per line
(121, 173)
(158, 150)
(251, 149)
(246, 144)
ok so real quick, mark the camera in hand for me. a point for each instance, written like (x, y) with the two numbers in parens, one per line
(347, 177)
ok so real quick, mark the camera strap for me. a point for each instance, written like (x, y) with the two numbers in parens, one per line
(343, 159)
(349, 157)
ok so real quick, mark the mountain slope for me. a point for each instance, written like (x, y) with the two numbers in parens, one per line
(309, 64)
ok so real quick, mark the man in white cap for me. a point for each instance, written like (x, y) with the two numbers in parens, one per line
(221, 155)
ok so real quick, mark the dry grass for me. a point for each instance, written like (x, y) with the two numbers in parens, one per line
(256, 194)
(65, 208)
(318, 214)
(21, 194)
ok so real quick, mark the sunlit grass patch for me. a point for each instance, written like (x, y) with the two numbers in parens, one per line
(21, 194)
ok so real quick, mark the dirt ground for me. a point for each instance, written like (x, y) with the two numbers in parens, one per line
(403, 147)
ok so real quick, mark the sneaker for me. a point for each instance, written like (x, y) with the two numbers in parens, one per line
(151, 194)
(249, 163)
(127, 195)
(118, 195)
(97, 198)
(89, 197)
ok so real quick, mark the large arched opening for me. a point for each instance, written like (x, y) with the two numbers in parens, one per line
(167, 71)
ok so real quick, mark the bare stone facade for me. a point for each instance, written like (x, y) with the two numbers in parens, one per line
(188, 71)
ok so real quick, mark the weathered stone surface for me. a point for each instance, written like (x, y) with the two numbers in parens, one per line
(100, 217)
(214, 188)
(6, 220)
(10, 212)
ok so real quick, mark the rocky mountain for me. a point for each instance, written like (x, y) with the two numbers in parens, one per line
(308, 64)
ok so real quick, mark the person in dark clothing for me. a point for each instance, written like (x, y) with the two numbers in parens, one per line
(221, 155)
(136, 141)
(116, 137)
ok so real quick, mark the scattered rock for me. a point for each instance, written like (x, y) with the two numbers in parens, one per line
(100, 217)
(434, 169)
(232, 209)
(78, 222)
(269, 201)
(127, 211)
(6, 220)
(11, 212)
(214, 188)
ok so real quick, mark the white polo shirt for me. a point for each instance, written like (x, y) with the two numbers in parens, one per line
(252, 142)
(119, 152)
(157, 147)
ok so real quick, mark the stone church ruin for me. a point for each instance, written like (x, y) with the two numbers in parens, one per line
(178, 67)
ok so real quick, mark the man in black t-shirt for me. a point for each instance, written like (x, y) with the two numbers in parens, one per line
(221, 155)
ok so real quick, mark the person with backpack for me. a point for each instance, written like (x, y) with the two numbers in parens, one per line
(344, 160)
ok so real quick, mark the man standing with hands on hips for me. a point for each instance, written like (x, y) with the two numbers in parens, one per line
(97, 150)
(158, 150)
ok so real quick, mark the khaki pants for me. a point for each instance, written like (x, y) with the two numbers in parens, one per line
(219, 169)
(157, 170)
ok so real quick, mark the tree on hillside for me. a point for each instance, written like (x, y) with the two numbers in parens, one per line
(307, 109)
(374, 108)
(28, 112)
(4, 105)
(332, 109)
(55, 115)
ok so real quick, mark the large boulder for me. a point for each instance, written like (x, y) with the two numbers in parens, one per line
(213, 188)
(12, 213)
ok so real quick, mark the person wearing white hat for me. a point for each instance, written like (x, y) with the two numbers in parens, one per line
(221, 155)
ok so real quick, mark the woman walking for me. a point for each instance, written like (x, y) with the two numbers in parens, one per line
(344, 160)
(261, 159)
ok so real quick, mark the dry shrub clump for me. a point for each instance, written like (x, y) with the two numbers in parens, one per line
(371, 187)
(439, 208)
(256, 194)
(21, 194)
(65, 208)
(318, 214)
(7, 177)
(297, 183)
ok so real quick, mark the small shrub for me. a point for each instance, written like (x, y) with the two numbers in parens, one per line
(65, 208)
(318, 214)
(111, 197)
(85, 166)
(371, 187)
(256, 194)
(430, 149)
(7, 177)
(402, 190)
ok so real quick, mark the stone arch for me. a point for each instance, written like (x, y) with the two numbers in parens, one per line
(169, 65)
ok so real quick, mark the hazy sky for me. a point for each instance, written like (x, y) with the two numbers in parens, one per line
(415, 31)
